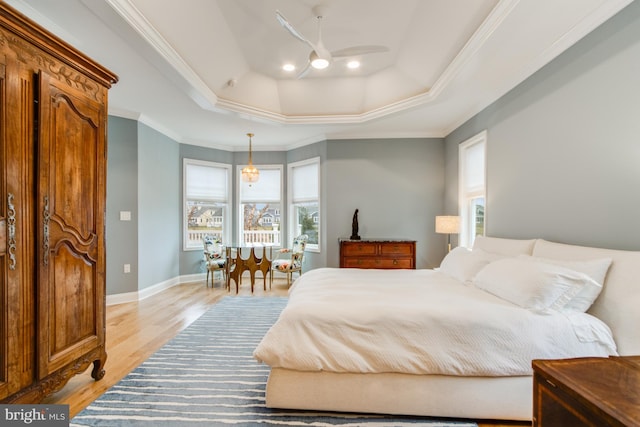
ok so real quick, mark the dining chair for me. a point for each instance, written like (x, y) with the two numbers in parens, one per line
(214, 257)
(289, 260)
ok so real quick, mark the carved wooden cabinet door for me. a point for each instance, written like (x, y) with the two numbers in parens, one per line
(17, 324)
(71, 190)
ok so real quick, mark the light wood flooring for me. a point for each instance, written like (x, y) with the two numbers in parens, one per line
(136, 330)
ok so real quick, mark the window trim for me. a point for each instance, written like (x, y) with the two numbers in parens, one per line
(311, 247)
(465, 238)
(226, 230)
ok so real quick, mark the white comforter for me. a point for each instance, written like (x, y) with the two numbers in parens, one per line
(418, 322)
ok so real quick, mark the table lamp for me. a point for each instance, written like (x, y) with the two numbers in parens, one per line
(448, 224)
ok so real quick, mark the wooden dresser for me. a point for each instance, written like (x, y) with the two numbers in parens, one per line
(587, 392)
(377, 253)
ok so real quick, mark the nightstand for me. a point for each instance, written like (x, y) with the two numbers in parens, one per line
(586, 392)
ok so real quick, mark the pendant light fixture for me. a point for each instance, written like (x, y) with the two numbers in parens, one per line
(250, 173)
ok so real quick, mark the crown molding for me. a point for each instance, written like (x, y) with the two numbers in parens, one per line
(201, 93)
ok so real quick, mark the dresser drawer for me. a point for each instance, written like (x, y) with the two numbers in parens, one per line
(354, 262)
(386, 263)
(405, 249)
(359, 249)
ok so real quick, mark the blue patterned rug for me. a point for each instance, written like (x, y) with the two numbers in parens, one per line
(207, 376)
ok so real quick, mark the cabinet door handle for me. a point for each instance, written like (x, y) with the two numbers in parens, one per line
(11, 231)
(45, 230)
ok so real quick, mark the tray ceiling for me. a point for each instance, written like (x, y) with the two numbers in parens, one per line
(206, 72)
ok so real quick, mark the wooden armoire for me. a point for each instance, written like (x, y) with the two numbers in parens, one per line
(53, 123)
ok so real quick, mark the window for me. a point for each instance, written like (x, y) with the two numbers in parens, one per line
(472, 188)
(304, 201)
(207, 189)
(260, 204)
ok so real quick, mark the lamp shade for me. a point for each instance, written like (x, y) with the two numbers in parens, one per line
(448, 224)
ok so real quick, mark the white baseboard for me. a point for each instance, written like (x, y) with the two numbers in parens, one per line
(154, 289)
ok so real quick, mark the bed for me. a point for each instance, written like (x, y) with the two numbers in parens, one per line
(450, 342)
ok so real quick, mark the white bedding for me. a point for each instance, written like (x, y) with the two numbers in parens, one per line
(418, 322)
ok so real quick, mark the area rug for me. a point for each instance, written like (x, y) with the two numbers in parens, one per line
(207, 376)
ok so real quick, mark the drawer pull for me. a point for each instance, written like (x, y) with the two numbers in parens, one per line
(551, 384)
(395, 262)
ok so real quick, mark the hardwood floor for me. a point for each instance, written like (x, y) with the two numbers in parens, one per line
(136, 330)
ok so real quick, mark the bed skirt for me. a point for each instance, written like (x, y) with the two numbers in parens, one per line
(505, 398)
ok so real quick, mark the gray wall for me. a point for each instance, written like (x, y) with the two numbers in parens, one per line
(143, 178)
(563, 149)
(122, 195)
(397, 185)
(159, 207)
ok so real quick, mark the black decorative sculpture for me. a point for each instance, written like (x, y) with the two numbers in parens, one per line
(354, 227)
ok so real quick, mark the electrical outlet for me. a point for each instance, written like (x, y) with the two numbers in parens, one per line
(127, 268)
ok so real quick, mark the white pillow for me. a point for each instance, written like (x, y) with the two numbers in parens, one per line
(594, 268)
(537, 286)
(463, 264)
(584, 299)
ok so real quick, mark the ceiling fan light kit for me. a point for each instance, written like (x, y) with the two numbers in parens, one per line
(320, 57)
(317, 62)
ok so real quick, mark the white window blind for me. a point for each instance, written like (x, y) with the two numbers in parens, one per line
(304, 182)
(206, 182)
(474, 167)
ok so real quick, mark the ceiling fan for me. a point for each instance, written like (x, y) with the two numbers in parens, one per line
(320, 57)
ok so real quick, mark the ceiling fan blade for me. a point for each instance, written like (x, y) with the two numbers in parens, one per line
(304, 72)
(319, 49)
(359, 50)
(287, 26)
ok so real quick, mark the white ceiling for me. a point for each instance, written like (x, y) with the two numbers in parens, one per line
(206, 72)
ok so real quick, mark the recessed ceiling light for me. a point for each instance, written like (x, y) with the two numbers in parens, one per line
(288, 67)
(353, 64)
